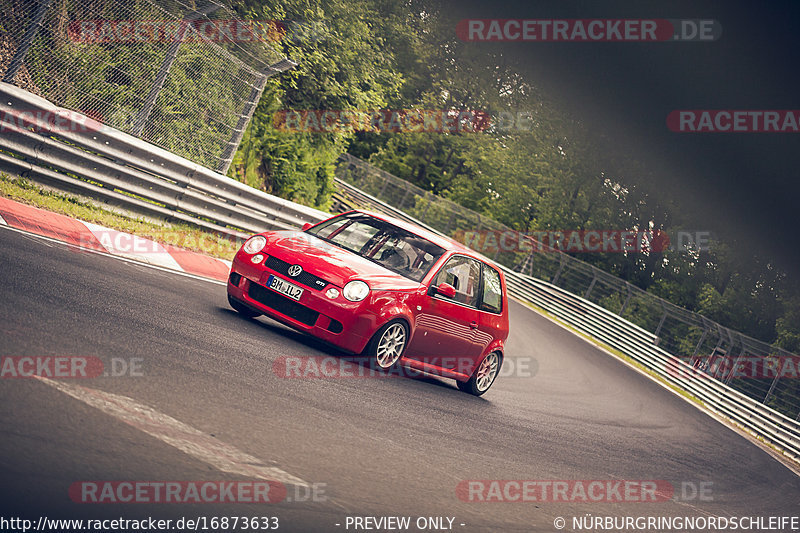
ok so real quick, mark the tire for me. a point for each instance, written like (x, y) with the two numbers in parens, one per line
(242, 308)
(484, 375)
(387, 345)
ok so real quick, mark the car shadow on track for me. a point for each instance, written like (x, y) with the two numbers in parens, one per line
(326, 349)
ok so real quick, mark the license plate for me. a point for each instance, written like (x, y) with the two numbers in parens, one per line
(284, 287)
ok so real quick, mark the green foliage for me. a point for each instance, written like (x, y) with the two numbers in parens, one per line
(346, 66)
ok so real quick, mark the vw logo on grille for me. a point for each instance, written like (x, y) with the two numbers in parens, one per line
(295, 270)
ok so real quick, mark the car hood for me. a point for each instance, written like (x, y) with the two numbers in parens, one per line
(333, 264)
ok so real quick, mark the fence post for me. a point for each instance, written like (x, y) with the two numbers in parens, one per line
(449, 223)
(591, 285)
(554, 281)
(663, 318)
(627, 299)
(27, 39)
(379, 196)
(700, 343)
(405, 195)
(166, 65)
(772, 387)
(736, 363)
(428, 196)
(522, 265)
(247, 113)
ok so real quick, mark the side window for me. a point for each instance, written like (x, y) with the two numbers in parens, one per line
(464, 274)
(492, 300)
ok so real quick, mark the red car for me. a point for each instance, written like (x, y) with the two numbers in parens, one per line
(376, 286)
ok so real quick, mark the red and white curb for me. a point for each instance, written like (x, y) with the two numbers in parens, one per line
(91, 237)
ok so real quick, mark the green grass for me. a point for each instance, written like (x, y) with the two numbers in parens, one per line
(181, 235)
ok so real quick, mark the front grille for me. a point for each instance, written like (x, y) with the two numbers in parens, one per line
(282, 267)
(282, 304)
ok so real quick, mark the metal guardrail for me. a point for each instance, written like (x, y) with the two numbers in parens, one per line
(635, 342)
(120, 169)
(680, 331)
(78, 155)
(639, 345)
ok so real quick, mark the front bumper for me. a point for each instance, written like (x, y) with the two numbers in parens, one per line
(347, 325)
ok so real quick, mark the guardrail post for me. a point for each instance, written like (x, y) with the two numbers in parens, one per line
(27, 39)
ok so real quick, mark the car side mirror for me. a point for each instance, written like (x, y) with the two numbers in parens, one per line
(445, 289)
(306, 226)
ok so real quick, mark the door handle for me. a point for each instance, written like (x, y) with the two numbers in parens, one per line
(473, 324)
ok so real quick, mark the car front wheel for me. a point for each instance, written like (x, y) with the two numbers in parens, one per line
(484, 375)
(387, 345)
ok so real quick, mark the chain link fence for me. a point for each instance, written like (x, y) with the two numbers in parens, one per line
(185, 76)
(766, 373)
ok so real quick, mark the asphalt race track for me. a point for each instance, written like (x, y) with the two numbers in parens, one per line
(374, 447)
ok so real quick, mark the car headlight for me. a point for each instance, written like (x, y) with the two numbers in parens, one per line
(254, 244)
(355, 291)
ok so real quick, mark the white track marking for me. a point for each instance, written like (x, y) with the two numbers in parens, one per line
(2, 221)
(187, 439)
(132, 246)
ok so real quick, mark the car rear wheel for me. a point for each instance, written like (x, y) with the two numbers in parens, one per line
(243, 309)
(484, 375)
(387, 345)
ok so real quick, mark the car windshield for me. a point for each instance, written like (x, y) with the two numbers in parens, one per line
(381, 242)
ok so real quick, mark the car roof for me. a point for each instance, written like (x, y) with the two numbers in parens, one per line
(445, 242)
